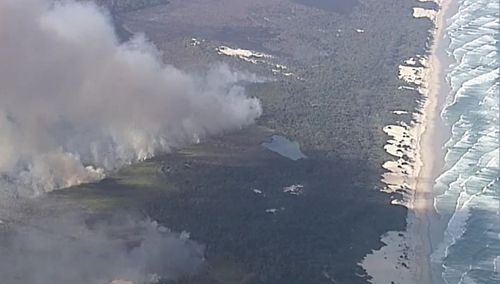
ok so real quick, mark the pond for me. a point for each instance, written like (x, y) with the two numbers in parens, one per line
(339, 6)
(285, 147)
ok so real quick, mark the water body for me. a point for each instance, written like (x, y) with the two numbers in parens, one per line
(338, 6)
(468, 191)
(285, 147)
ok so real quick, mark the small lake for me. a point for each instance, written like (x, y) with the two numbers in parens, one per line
(285, 147)
(339, 6)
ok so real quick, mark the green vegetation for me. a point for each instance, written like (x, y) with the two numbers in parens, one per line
(344, 89)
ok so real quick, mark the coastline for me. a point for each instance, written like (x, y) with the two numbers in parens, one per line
(430, 155)
(439, 223)
(406, 256)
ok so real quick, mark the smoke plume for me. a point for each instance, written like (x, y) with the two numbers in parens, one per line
(76, 103)
(82, 248)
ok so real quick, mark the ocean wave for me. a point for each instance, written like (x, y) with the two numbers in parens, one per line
(468, 190)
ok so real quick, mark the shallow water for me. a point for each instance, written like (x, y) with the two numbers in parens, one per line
(285, 147)
(468, 191)
(339, 6)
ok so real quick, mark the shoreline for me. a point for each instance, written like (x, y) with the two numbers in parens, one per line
(406, 256)
(430, 157)
(432, 148)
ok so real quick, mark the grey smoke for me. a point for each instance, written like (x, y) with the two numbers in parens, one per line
(75, 103)
(80, 248)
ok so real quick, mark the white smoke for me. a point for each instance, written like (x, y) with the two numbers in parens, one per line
(75, 103)
(80, 248)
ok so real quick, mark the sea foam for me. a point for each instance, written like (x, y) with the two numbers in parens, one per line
(467, 192)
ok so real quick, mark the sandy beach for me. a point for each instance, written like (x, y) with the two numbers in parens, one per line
(406, 256)
(423, 199)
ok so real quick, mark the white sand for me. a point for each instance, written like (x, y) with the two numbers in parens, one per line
(255, 57)
(121, 282)
(195, 42)
(424, 13)
(399, 112)
(257, 191)
(411, 61)
(295, 189)
(392, 257)
(409, 175)
(244, 54)
(413, 75)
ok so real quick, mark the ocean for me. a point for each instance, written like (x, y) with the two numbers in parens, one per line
(468, 190)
